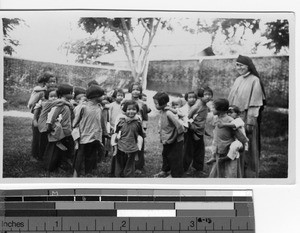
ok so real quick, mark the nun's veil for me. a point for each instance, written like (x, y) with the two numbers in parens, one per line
(248, 62)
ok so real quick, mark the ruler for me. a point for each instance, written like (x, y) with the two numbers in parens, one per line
(126, 210)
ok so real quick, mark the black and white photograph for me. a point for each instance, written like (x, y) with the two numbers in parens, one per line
(145, 94)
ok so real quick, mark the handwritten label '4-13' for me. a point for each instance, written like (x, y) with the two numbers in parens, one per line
(204, 220)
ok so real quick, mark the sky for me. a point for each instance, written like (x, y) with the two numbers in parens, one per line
(42, 34)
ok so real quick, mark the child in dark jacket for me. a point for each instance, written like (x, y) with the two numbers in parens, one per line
(194, 149)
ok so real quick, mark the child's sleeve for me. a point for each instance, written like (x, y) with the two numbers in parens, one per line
(144, 112)
(141, 131)
(50, 115)
(176, 122)
(194, 109)
(34, 98)
(238, 133)
(199, 122)
(119, 124)
(36, 114)
(103, 124)
(52, 118)
(238, 122)
(78, 115)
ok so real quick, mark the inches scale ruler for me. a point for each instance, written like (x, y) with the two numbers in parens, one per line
(124, 211)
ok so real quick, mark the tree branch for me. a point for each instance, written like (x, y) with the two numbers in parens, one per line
(145, 26)
(131, 51)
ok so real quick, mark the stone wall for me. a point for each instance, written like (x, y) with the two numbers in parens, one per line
(20, 74)
(219, 73)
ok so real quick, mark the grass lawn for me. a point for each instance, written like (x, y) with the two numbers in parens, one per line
(17, 161)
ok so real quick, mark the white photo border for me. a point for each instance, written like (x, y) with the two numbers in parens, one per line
(154, 182)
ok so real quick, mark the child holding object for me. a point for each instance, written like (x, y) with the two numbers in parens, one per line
(127, 140)
(171, 136)
(37, 94)
(39, 90)
(40, 112)
(176, 108)
(241, 142)
(62, 149)
(224, 167)
(238, 125)
(90, 128)
(194, 148)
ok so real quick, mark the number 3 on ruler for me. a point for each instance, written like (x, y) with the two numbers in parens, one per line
(192, 224)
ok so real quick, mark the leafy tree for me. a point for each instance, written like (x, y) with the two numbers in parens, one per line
(136, 45)
(234, 32)
(278, 35)
(8, 26)
(87, 50)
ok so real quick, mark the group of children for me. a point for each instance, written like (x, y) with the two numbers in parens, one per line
(75, 128)
(182, 131)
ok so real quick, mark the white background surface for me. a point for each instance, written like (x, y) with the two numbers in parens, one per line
(277, 207)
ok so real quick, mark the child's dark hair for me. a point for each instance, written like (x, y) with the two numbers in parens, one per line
(221, 105)
(64, 89)
(45, 77)
(94, 91)
(234, 109)
(188, 93)
(208, 89)
(136, 84)
(162, 98)
(48, 92)
(200, 92)
(110, 99)
(116, 91)
(128, 103)
(78, 91)
(93, 82)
